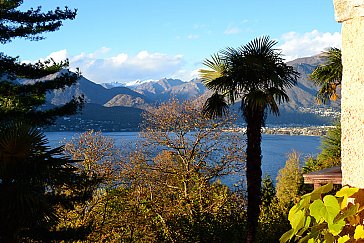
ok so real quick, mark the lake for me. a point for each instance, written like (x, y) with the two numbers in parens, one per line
(275, 148)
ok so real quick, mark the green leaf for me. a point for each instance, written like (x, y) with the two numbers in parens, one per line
(336, 228)
(346, 192)
(327, 210)
(304, 202)
(302, 231)
(297, 221)
(286, 236)
(332, 208)
(308, 222)
(343, 239)
(316, 194)
(316, 230)
(316, 210)
(305, 238)
(292, 212)
(359, 232)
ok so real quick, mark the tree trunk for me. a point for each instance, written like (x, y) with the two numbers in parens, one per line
(255, 120)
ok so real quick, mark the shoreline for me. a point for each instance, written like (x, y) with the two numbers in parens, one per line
(292, 131)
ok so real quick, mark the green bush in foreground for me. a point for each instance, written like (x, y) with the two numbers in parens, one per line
(329, 218)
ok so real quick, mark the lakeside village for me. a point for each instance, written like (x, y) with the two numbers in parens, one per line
(305, 130)
(80, 124)
(293, 131)
(274, 130)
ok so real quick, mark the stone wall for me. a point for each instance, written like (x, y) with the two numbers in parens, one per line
(350, 13)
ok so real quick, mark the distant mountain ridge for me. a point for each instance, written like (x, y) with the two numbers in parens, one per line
(141, 94)
(165, 89)
(93, 93)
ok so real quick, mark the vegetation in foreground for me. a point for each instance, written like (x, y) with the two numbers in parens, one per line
(35, 180)
(257, 75)
(322, 217)
(168, 189)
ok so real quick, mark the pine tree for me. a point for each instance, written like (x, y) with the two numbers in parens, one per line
(23, 87)
(35, 180)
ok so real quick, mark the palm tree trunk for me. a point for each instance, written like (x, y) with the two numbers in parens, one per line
(255, 121)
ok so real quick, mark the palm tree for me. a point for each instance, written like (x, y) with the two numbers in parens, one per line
(256, 74)
(328, 76)
(35, 180)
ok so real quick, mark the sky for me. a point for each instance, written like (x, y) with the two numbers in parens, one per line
(128, 40)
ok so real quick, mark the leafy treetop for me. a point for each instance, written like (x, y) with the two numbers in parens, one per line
(31, 23)
(23, 87)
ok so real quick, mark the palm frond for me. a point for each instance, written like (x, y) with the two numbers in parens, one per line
(328, 76)
(260, 46)
(327, 92)
(215, 106)
(255, 100)
(208, 75)
(255, 73)
(216, 78)
(282, 75)
(216, 69)
(276, 96)
(279, 95)
(265, 99)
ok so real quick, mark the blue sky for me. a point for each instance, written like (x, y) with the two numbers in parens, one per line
(127, 40)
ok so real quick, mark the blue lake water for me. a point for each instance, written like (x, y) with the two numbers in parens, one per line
(275, 148)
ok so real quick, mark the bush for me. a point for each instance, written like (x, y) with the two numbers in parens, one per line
(289, 181)
(329, 218)
(330, 152)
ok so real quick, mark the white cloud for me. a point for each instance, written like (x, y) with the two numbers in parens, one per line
(118, 59)
(102, 51)
(57, 56)
(186, 75)
(295, 45)
(123, 67)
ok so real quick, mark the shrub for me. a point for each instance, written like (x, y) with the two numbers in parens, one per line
(289, 181)
(329, 218)
(330, 152)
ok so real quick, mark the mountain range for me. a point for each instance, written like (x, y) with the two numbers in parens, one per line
(116, 107)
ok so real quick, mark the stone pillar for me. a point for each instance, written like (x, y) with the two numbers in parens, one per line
(351, 14)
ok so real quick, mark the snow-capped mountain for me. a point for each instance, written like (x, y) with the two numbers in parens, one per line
(130, 84)
(109, 99)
